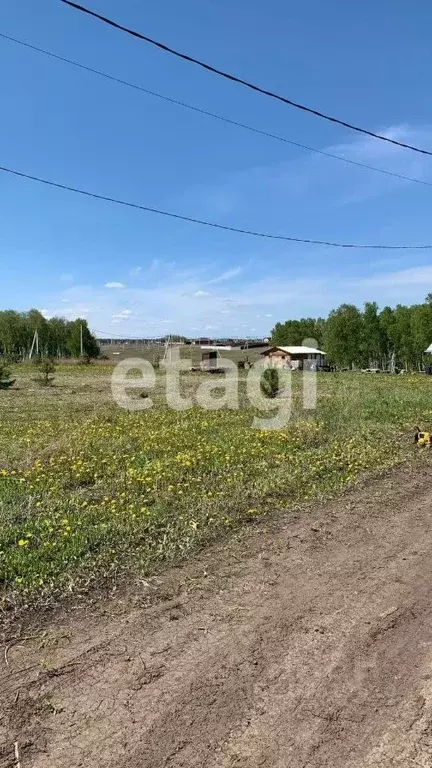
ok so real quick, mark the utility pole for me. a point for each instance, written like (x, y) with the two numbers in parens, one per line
(35, 342)
(167, 353)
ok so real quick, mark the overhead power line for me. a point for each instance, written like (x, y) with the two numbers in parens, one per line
(205, 223)
(109, 335)
(214, 115)
(246, 83)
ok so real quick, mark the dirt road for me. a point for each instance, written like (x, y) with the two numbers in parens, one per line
(305, 645)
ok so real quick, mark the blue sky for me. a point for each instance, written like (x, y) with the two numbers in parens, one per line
(132, 273)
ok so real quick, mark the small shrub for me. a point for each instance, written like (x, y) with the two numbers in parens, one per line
(13, 358)
(270, 382)
(156, 360)
(45, 370)
(84, 360)
(5, 377)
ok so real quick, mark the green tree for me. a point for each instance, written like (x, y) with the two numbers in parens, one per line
(285, 334)
(404, 341)
(270, 382)
(373, 344)
(58, 337)
(421, 330)
(294, 332)
(45, 370)
(13, 333)
(319, 332)
(388, 334)
(35, 321)
(343, 336)
(277, 334)
(90, 346)
(175, 337)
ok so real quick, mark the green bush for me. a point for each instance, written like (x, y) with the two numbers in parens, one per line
(45, 370)
(270, 382)
(5, 377)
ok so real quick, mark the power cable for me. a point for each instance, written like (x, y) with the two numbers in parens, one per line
(228, 120)
(235, 79)
(212, 224)
(110, 335)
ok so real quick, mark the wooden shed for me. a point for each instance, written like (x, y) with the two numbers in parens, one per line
(295, 358)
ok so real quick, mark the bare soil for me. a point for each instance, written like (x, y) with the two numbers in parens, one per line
(303, 644)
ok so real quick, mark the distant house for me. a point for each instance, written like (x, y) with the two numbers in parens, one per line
(300, 358)
(428, 351)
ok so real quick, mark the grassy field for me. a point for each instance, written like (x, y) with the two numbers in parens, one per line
(90, 493)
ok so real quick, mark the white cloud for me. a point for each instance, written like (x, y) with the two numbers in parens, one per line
(114, 285)
(123, 315)
(76, 311)
(135, 271)
(404, 277)
(201, 293)
(229, 274)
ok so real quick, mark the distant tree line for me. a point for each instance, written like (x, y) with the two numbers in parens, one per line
(57, 337)
(386, 339)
